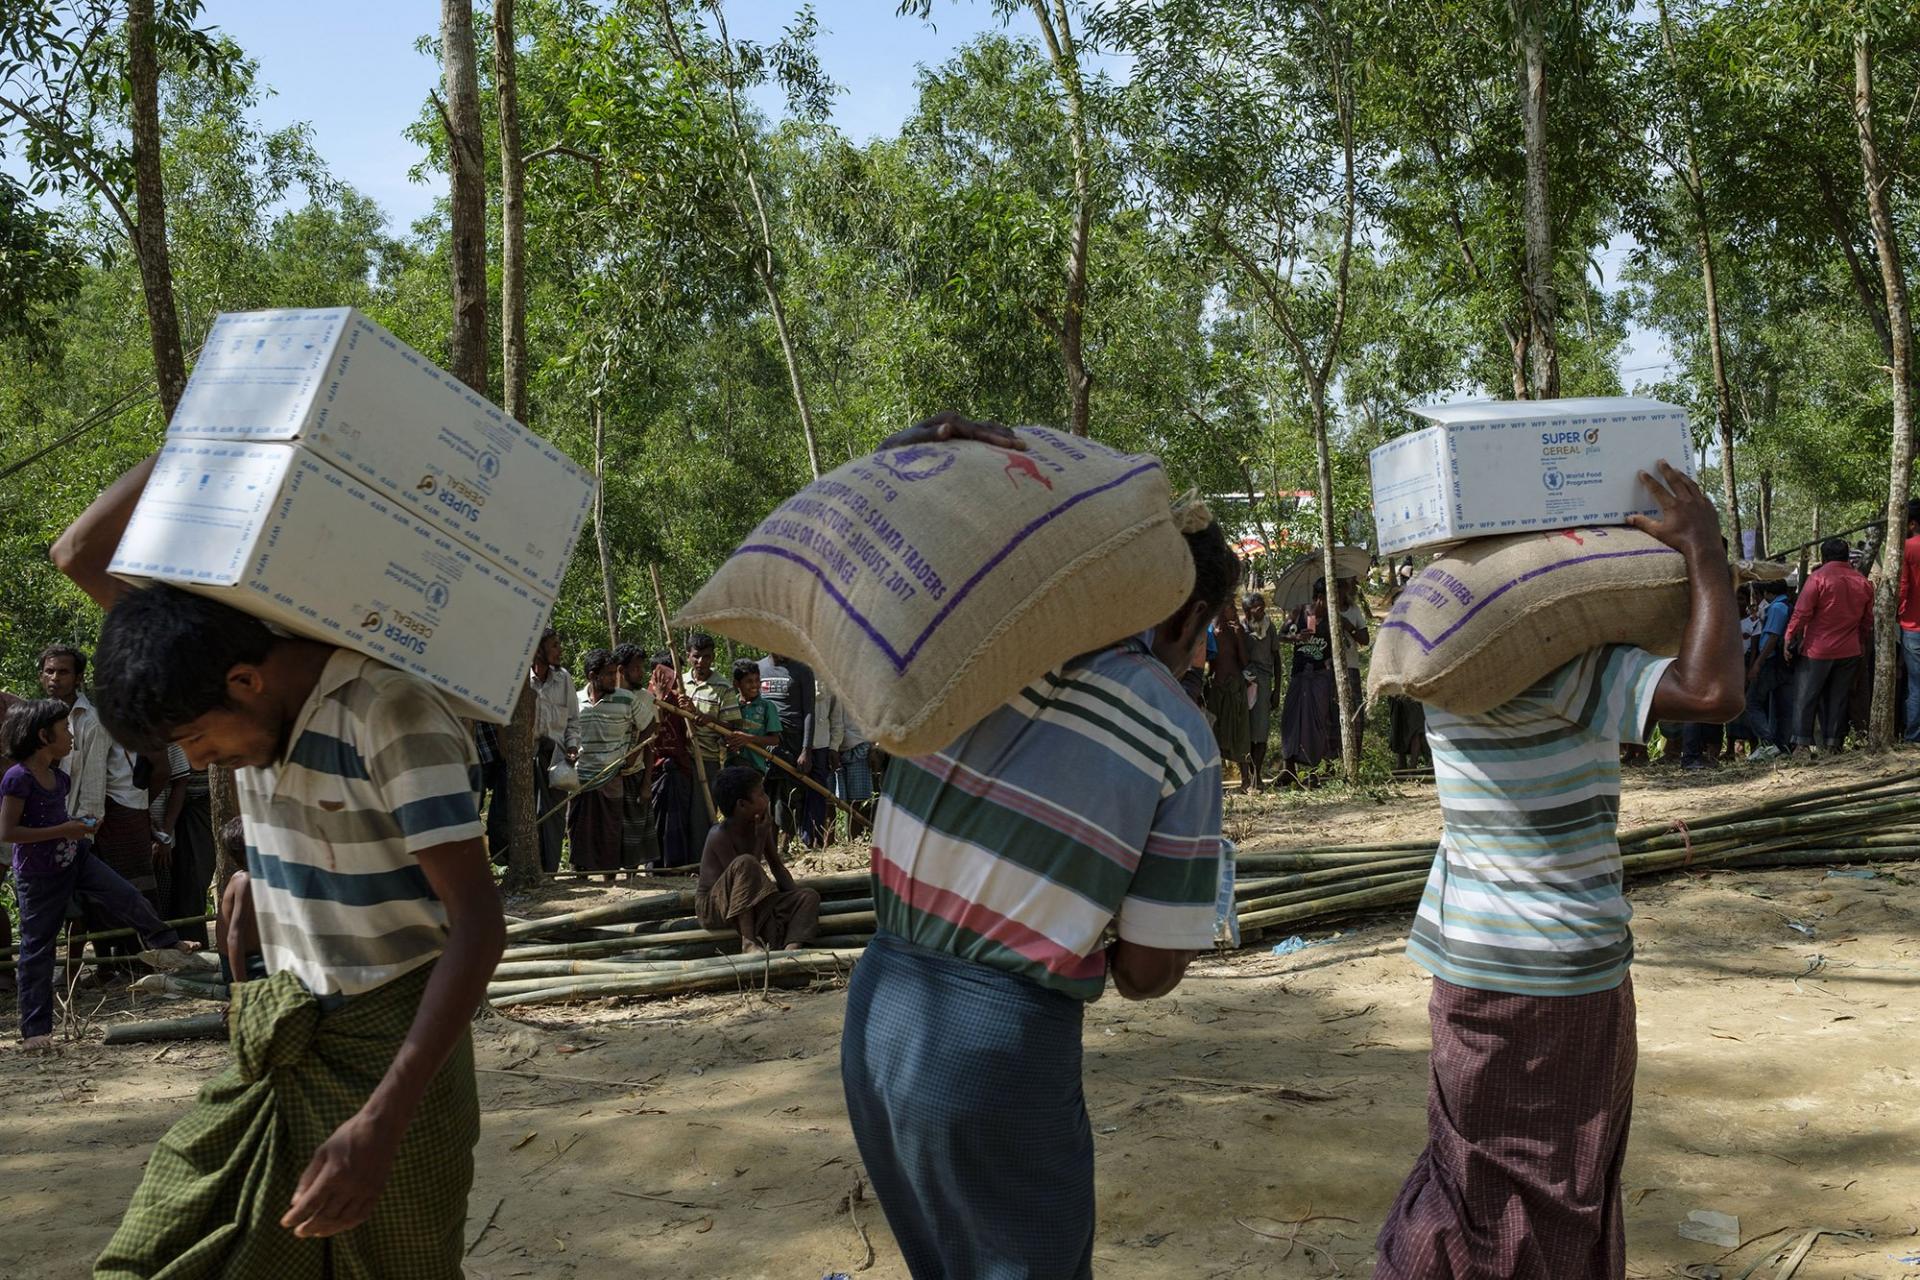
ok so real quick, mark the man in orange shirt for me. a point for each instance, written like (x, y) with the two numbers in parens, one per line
(1910, 619)
(1829, 629)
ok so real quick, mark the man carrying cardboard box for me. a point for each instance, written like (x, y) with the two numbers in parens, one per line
(340, 1141)
(1524, 928)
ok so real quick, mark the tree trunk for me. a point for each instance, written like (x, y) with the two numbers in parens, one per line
(466, 152)
(1703, 244)
(1883, 726)
(1542, 300)
(513, 216)
(223, 803)
(608, 593)
(1057, 30)
(150, 209)
(1766, 514)
(1345, 696)
(518, 758)
(765, 261)
(1722, 396)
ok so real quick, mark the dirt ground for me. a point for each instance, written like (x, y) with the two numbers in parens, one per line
(1254, 1124)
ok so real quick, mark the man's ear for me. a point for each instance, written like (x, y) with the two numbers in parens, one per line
(245, 683)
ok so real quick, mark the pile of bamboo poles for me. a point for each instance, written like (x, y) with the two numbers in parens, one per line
(651, 944)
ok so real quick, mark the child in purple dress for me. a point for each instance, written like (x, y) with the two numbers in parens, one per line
(52, 860)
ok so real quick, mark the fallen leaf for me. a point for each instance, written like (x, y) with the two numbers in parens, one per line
(1642, 1193)
(706, 1225)
(531, 1135)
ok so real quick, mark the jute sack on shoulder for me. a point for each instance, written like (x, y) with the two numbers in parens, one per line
(1489, 619)
(928, 585)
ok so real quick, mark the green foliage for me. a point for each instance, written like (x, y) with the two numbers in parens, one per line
(925, 270)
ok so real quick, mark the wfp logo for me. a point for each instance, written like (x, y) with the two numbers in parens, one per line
(1593, 435)
(437, 595)
(1554, 481)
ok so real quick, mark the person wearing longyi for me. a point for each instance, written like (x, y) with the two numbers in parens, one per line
(743, 883)
(596, 813)
(1523, 926)
(1088, 805)
(340, 1140)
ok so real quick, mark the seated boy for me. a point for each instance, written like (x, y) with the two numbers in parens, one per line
(743, 883)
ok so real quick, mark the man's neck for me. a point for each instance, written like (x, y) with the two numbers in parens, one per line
(295, 667)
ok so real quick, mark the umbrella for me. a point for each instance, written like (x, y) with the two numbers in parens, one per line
(1294, 587)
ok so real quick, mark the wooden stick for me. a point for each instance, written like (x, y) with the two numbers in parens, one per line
(765, 754)
(680, 686)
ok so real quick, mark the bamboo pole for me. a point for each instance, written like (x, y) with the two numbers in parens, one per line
(169, 984)
(762, 968)
(107, 935)
(624, 946)
(680, 686)
(667, 903)
(764, 754)
(201, 1026)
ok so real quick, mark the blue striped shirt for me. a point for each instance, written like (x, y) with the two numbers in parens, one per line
(377, 770)
(1526, 896)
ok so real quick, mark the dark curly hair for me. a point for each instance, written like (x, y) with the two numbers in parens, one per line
(163, 660)
(734, 786)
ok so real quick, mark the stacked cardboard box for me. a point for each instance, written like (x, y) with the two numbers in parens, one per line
(323, 476)
(1498, 467)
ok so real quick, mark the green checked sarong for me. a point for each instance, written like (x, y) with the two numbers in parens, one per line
(218, 1183)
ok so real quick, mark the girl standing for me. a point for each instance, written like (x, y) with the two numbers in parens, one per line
(52, 863)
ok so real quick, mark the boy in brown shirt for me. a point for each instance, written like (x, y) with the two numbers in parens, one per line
(743, 883)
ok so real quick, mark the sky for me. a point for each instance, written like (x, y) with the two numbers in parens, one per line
(349, 69)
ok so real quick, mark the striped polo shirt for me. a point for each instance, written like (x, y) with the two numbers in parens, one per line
(377, 769)
(605, 729)
(1526, 895)
(1091, 799)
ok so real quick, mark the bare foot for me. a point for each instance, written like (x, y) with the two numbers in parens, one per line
(796, 946)
(184, 945)
(37, 1044)
(751, 948)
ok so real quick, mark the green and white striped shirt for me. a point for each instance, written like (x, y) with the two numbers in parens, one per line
(1525, 895)
(377, 770)
(606, 730)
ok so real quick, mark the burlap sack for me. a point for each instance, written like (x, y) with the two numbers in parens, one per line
(1493, 616)
(928, 585)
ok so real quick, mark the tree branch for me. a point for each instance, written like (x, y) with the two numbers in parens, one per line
(55, 136)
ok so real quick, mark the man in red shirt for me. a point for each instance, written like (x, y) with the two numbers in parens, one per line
(1829, 630)
(1910, 619)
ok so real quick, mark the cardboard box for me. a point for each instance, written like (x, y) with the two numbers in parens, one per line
(335, 382)
(280, 534)
(1494, 467)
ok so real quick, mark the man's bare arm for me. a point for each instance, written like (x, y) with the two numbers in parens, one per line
(1705, 684)
(85, 550)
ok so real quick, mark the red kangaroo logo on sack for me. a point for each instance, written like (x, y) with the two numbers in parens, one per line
(1019, 464)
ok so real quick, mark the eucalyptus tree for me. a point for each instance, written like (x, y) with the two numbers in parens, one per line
(1253, 141)
(1860, 62)
(1064, 312)
(79, 94)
